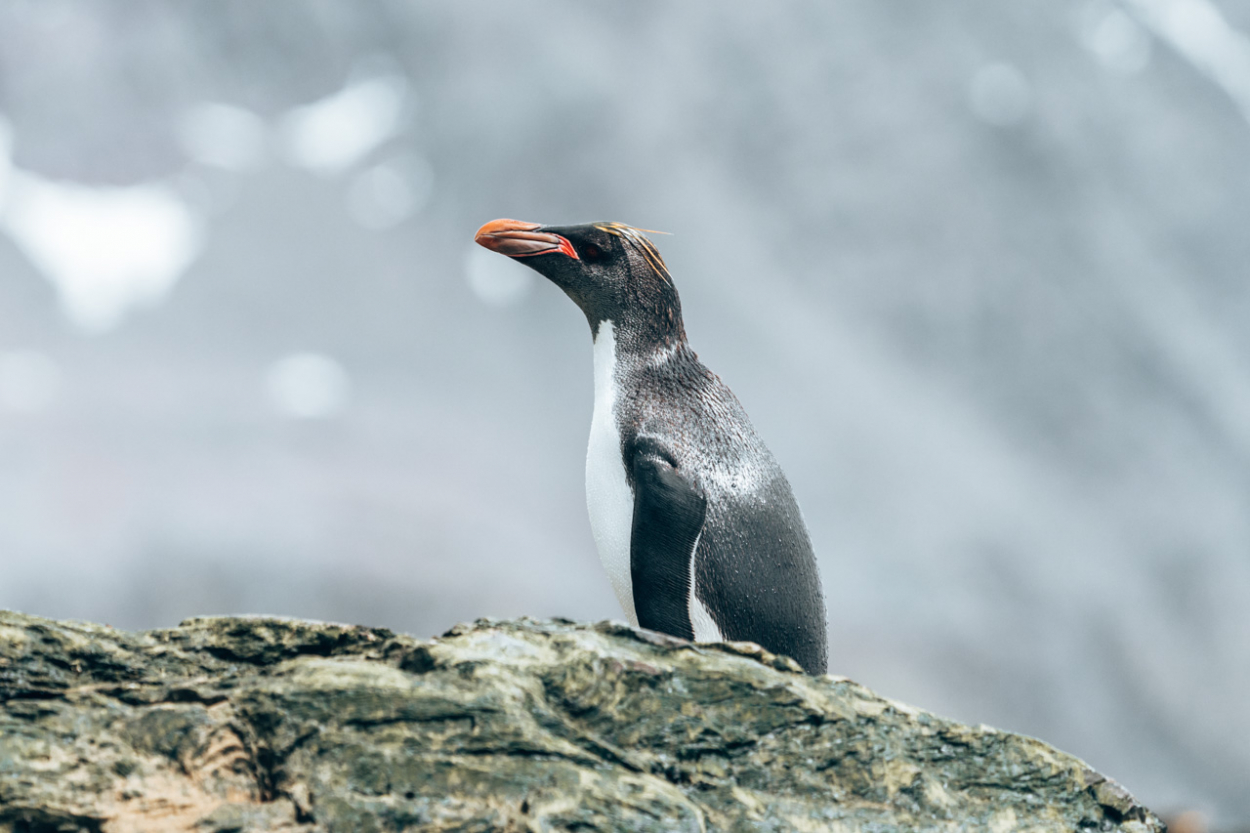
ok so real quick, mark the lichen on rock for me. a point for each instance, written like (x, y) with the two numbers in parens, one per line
(261, 724)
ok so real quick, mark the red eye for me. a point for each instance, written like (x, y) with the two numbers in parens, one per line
(591, 253)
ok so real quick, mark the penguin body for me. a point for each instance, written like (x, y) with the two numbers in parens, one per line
(695, 523)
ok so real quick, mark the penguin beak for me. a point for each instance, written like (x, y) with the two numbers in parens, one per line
(517, 239)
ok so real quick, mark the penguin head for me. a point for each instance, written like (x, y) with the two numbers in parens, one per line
(610, 270)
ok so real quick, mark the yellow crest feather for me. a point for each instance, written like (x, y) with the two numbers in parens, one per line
(636, 236)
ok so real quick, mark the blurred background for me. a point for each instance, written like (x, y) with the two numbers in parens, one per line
(978, 271)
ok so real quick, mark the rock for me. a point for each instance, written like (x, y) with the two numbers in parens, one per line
(228, 725)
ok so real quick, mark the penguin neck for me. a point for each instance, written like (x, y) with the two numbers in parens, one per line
(605, 366)
(617, 350)
(640, 340)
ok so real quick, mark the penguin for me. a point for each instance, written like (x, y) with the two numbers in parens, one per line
(695, 522)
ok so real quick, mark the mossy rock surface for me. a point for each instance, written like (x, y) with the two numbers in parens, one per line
(228, 725)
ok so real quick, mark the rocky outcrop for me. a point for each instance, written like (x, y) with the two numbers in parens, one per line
(250, 724)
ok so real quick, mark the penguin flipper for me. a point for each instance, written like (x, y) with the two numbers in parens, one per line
(668, 519)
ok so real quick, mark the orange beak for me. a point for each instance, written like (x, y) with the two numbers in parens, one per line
(517, 239)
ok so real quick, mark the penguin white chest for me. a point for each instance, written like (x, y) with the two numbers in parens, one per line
(608, 496)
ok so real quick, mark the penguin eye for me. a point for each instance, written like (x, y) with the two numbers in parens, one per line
(591, 253)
